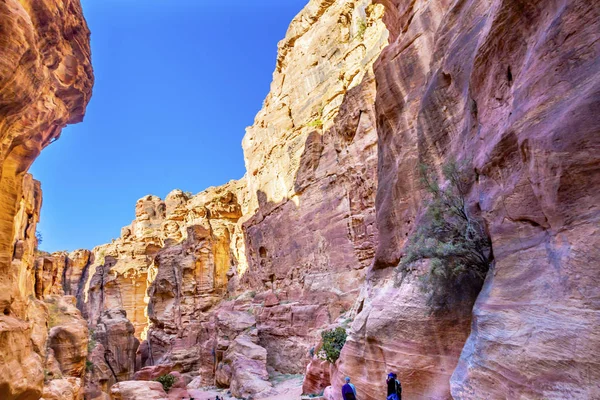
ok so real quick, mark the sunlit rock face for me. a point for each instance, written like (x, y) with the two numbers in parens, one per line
(512, 87)
(195, 233)
(237, 281)
(311, 160)
(45, 83)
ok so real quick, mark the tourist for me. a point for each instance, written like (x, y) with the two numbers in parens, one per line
(348, 390)
(394, 388)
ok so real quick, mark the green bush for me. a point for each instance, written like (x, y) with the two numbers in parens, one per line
(362, 27)
(167, 381)
(317, 123)
(333, 342)
(450, 236)
(89, 366)
(91, 341)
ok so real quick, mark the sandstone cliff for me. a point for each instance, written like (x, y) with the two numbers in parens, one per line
(250, 246)
(45, 83)
(511, 86)
(237, 281)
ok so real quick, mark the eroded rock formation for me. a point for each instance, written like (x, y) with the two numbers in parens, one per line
(45, 83)
(236, 282)
(510, 86)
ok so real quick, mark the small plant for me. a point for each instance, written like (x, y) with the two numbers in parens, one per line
(89, 366)
(361, 29)
(317, 123)
(333, 342)
(91, 342)
(252, 293)
(167, 381)
(101, 257)
(39, 238)
(188, 194)
(450, 237)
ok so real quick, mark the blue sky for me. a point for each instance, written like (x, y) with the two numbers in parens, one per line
(177, 82)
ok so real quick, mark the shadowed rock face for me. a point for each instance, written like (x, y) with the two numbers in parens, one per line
(45, 83)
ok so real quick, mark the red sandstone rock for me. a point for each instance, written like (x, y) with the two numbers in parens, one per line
(63, 389)
(510, 86)
(45, 83)
(317, 376)
(150, 373)
(138, 390)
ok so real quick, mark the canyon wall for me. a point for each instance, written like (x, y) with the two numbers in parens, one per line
(311, 159)
(289, 244)
(512, 87)
(45, 83)
(236, 282)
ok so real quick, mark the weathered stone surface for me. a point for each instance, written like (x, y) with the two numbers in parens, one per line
(137, 390)
(238, 280)
(68, 336)
(510, 86)
(152, 372)
(248, 362)
(45, 83)
(67, 349)
(317, 376)
(115, 333)
(63, 389)
(311, 159)
(398, 332)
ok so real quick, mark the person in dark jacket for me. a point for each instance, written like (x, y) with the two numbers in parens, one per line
(394, 388)
(348, 390)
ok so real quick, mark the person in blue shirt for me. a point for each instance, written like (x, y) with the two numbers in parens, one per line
(394, 388)
(348, 390)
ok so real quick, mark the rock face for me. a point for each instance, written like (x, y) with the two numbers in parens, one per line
(510, 86)
(317, 377)
(237, 281)
(67, 349)
(311, 159)
(138, 390)
(45, 83)
(174, 265)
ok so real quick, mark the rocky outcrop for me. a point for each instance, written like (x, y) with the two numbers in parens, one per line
(241, 364)
(511, 87)
(248, 363)
(137, 390)
(237, 281)
(63, 389)
(317, 376)
(67, 349)
(311, 159)
(45, 83)
(114, 332)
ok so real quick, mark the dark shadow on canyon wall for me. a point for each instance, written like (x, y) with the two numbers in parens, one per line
(311, 252)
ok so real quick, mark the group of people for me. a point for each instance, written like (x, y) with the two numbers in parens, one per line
(394, 388)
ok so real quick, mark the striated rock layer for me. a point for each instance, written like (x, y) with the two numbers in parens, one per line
(236, 282)
(289, 243)
(513, 88)
(45, 83)
(311, 159)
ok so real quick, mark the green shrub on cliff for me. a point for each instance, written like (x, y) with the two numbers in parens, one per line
(449, 236)
(333, 342)
(167, 381)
